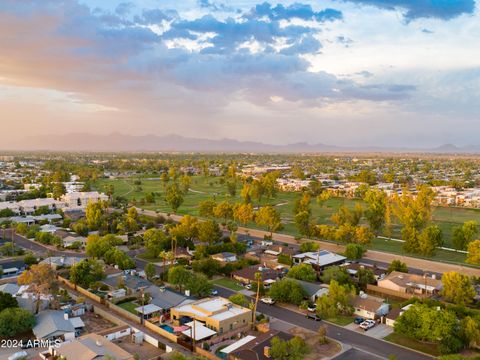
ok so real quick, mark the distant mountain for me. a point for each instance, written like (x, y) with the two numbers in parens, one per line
(176, 143)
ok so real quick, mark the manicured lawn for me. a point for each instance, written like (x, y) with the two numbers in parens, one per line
(129, 306)
(341, 320)
(203, 188)
(227, 283)
(400, 339)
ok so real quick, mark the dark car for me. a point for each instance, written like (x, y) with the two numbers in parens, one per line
(358, 320)
(313, 316)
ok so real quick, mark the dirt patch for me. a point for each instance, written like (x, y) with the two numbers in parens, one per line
(317, 350)
(145, 351)
(94, 323)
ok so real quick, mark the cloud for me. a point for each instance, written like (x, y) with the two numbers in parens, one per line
(414, 9)
(294, 11)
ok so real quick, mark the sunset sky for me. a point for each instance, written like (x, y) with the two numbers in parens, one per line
(343, 72)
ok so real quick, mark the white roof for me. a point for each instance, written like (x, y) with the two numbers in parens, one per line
(321, 258)
(221, 308)
(77, 322)
(200, 332)
(148, 309)
(236, 345)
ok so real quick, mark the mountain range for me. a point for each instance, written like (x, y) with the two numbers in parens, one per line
(117, 142)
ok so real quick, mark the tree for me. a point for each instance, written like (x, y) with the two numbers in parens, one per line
(345, 216)
(209, 231)
(173, 196)
(186, 229)
(322, 335)
(179, 276)
(205, 208)
(470, 328)
(303, 223)
(293, 349)
(155, 241)
(474, 252)
(94, 214)
(15, 321)
(335, 273)
(207, 266)
(413, 212)
(7, 301)
(354, 251)
(323, 197)
(30, 259)
(463, 235)
(425, 323)
(269, 217)
(86, 272)
(365, 277)
(232, 187)
(376, 209)
(185, 182)
(397, 265)
(303, 272)
(239, 299)
(41, 280)
(309, 246)
(457, 288)
(288, 291)
(150, 271)
(302, 204)
(429, 239)
(243, 213)
(223, 210)
(246, 193)
(258, 279)
(336, 302)
(199, 285)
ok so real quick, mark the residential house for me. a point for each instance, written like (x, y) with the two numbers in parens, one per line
(247, 275)
(411, 283)
(217, 313)
(257, 348)
(166, 299)
(61, 261)
(91, 347)
(9, 288)
(224, 257)
(313, 290)
(70, 240)
(133, 284)
(319, 259)
(369, 307)
(53, 324)
(149, 311)
(352, 269)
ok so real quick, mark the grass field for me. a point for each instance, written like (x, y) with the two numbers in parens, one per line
(227, 283)
(129, 306)
(210, 188)
(341, 320)
(400, 339)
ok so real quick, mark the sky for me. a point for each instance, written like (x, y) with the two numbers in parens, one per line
(340, 72)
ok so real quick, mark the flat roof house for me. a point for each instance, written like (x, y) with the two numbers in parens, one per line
(411, 283)
(319, 259)
(217, 313)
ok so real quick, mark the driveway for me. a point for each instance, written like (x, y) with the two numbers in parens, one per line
(378, 332)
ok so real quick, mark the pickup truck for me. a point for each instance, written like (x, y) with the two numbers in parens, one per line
(267, 300)
(367, 324)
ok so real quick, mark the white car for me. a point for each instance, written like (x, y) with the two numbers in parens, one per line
(267, 300)
(367, 324)
(18, 355)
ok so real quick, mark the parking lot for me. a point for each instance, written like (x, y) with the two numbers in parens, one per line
(379, 331)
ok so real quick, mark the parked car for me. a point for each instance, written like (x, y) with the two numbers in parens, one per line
(367, 324)
(214, 292)
(313, 316)
(312, 307)
(358, 320)
(18, 355)
(267, 300)
(248, 286)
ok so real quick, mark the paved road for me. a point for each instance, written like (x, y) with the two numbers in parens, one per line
(369, 347)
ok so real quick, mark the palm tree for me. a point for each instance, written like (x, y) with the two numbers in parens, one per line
(163, 255)
(258, 277)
